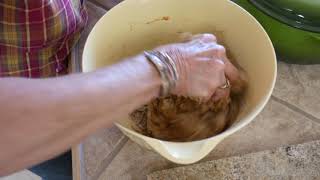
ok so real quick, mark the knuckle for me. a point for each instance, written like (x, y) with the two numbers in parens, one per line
(218, 64)
(205, 37)
(213, 86)
(217, 50)
(197, 37)
(186, 36)
(221, 49)
(219, 81)
(210, 37)
(205, 94)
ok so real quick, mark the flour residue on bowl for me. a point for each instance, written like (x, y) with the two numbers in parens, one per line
(164, 18)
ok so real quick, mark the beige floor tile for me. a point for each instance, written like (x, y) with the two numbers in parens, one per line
(276, 126)
(99, 150)
(299, 85)
(299, 162)
(22, 175)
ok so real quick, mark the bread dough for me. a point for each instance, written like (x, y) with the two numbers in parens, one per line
(182, 119)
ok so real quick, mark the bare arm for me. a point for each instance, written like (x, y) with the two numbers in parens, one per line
(40, 118)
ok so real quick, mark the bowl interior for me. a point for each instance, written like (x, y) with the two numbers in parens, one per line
(137, 25)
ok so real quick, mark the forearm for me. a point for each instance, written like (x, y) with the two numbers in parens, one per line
(41, 118)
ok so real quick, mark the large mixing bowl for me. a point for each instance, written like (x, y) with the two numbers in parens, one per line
(293, 26)
(136, 25)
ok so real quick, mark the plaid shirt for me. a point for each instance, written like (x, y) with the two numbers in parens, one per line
(36, 36)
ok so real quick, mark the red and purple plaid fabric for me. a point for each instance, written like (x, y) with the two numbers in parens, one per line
(36, 36)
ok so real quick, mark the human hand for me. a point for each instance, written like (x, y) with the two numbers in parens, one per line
(203, 67)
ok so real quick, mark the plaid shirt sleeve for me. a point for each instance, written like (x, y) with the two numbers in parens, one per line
(36, 36)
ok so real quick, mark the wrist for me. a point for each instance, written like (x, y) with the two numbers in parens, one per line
(166, 69)
(151, 73)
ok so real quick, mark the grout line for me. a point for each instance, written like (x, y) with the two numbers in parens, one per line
(99, 5)
(106, 162)
(296, 109)
(78, 165)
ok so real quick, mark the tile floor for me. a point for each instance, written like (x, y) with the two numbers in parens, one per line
(297, 162)
(22, 175)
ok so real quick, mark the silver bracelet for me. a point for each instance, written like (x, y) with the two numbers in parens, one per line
(167, 70)
(172, 65)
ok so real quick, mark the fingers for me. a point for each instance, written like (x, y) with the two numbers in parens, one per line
(208, 48)
(203, 67)
(235, 75)
(220, 94)
(185, 37)
(205, 45)
(206, 38)
(217, 79)
(214, 51)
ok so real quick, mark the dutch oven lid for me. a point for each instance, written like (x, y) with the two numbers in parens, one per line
(302, 14)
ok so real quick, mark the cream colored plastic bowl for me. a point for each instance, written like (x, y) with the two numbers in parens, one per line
(136, 25)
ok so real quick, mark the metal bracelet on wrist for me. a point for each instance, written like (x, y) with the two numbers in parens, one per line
(167, 70)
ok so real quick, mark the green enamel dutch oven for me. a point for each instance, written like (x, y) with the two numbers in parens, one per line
(293, 26)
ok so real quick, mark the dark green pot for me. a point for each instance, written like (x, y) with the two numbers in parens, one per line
(294, 27)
